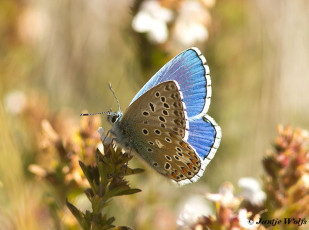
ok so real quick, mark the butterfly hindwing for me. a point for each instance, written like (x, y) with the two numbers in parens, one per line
(171, 156)
(204, 136)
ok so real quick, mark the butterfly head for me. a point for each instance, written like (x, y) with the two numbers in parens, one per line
(114, 117)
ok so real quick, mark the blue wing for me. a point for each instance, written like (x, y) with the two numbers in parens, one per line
(204, 136)
(191, 72)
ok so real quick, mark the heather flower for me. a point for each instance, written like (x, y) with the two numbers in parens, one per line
(191, 24)
(59, 153)
(33, 24)
(225, 197)
(177, 24)
(252, 191)
(15, 102)
(228, 213)
(152, 19)
(245, 222)
(193, 208)
(287, 173)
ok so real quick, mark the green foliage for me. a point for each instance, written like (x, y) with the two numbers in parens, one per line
(106, 180)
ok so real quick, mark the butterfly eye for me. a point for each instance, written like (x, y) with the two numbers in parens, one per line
(114, 118)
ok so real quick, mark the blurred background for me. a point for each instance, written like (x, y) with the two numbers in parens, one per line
(57, 57)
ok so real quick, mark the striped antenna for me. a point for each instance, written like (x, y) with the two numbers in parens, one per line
(109, 112)
(91, 114)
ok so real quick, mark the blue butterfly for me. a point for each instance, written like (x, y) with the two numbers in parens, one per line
(166, 123)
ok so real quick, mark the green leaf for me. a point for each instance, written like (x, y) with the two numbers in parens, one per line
(122, 190)
(89, 193)
(106, 179)
(122, 228)
(110, 220)
(129, 191)
(133, 171)
(86, 173)
(79, 216)
(103, 173)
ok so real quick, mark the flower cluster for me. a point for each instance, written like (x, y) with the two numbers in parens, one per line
(287, 174)
(58, 141)
(286, 185)
(59, 154)
(229, 213)
(181, 23)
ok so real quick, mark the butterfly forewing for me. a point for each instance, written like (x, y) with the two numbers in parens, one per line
(157, 122)
(161, 107)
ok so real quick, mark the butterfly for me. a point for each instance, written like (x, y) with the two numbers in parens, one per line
(166, 122)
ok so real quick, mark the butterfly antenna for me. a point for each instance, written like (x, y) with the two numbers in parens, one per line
(91, 114)
(108, 112)
(110, 87)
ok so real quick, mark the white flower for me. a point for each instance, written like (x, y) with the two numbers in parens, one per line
(225, 196)
(33, 24)
(251, 191)
(209, 3)
(305, 180)
(152, 19)
(245, 222)
(190, 26)
(15, 102)
(193, 208)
